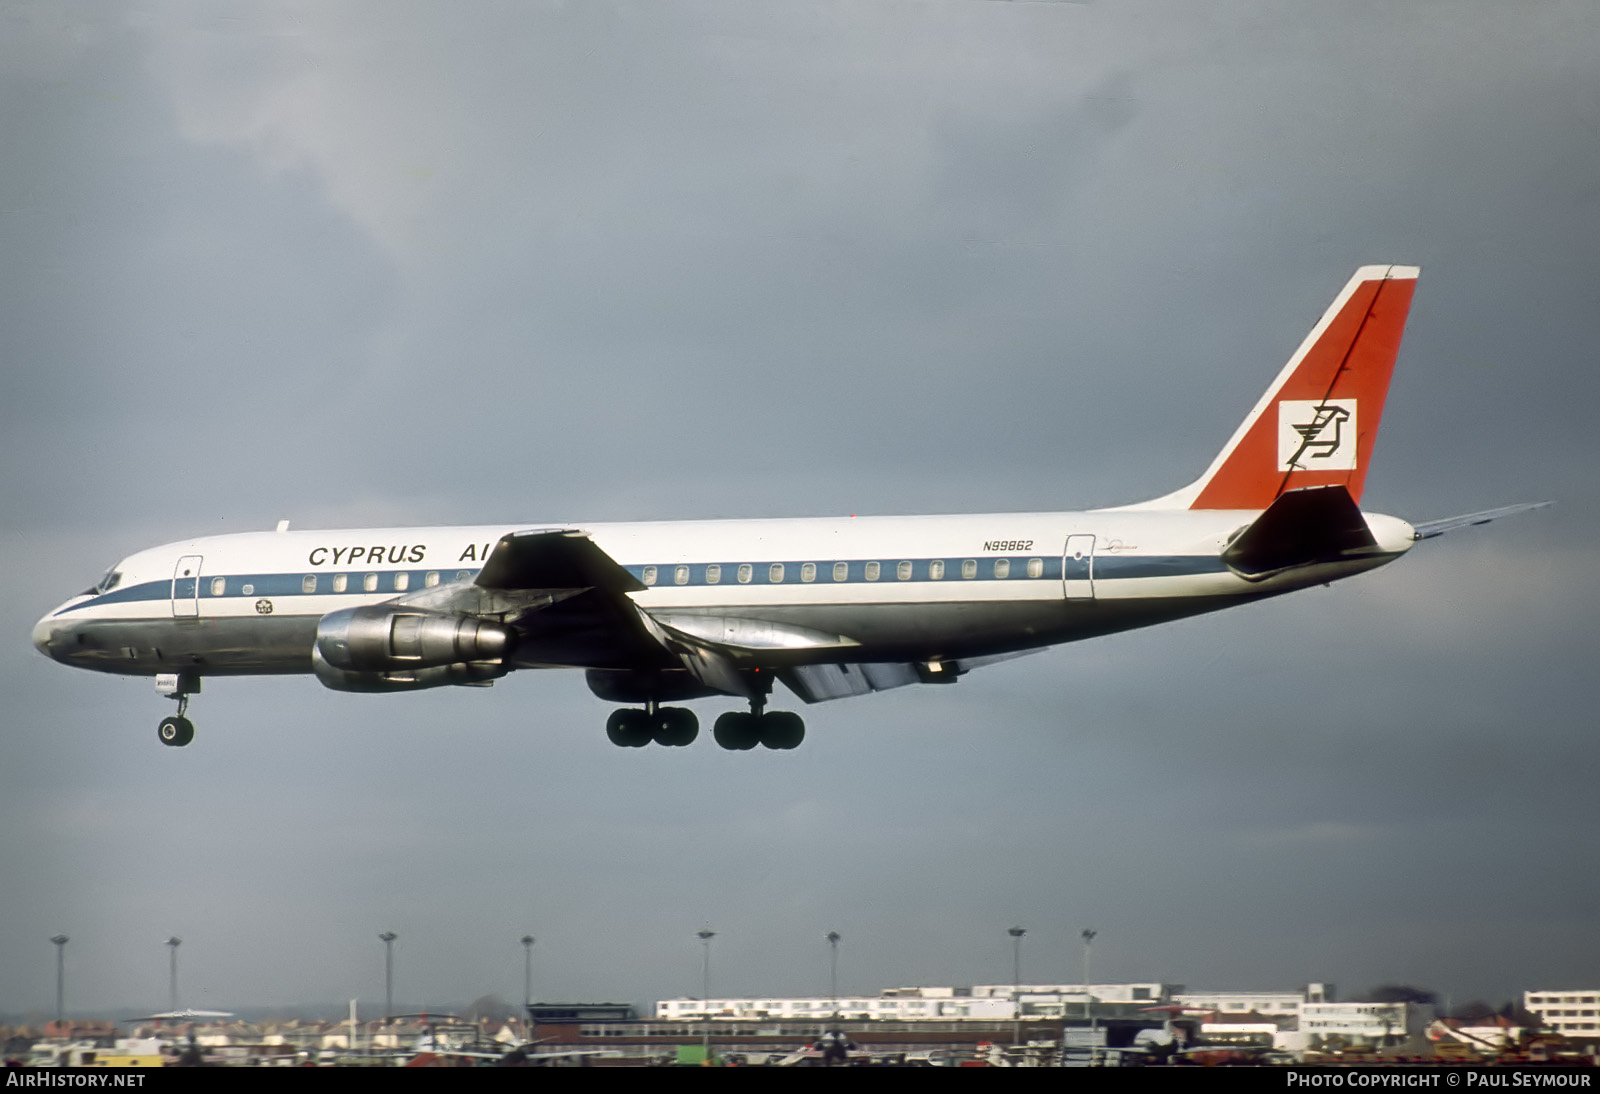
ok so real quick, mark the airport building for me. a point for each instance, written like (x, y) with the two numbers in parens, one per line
(986, 1002)
(1573, 1014)
(1268, 1004)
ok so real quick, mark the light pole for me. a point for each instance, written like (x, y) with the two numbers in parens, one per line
(1016, 934)
(833, 970)
(172, 979)
(1087, 935)
(388, 938)
(61, 941)
(527, 969)
(705, 935)
(527, 977)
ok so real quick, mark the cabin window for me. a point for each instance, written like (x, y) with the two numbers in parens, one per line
(873, 570)
(841, 571)
(462, 575)
(680, 576)
(775, 573)
(936, 569)
(713, 574)
(808, 572)
(903, 571)
(308, 584)
(219, 585)
(341, 582)
(649, 577)
(402, 581)
(1002, 567)
(969, 568)
(248, 590)
(370, 583)
(432, 579)
(1036, 567)
(745, 571)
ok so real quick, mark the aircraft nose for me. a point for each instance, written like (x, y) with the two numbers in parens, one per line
(42, 633)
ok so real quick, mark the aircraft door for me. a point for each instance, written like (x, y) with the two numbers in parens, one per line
(1077, 568)
(186, 588)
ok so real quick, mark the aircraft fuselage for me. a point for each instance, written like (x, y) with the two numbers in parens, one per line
(900, 588)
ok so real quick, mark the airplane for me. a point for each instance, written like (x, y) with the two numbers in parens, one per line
(664, 613)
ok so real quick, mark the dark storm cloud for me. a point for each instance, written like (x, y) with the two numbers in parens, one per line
(614, 261)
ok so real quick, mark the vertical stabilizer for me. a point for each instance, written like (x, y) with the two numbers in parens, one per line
(1316, 423)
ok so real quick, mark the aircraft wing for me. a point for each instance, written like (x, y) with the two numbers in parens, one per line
(565, 596)
(554, 558)
(1431, 528)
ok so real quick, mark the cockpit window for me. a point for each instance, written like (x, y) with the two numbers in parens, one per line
(112, 579)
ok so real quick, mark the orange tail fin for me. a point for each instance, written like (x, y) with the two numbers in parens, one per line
(1316, 424)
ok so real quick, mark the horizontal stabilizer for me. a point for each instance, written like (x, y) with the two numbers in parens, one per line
(1431, 528)
(1302, 527)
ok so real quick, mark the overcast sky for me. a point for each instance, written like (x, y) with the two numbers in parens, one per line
(357, 264)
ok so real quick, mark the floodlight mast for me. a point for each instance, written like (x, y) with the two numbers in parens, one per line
(61, 941)
(172, 973)
(387, 938)
(1016, 934)
(705, 935)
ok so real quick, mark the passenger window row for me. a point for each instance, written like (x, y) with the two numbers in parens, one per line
(398, 582)
(711, 573)
(871, 571)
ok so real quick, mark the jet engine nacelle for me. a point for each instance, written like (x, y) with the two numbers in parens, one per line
(388, 639)
(478, 673)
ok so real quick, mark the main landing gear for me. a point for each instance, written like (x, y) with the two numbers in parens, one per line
(631, 727)
(634, 728)
(778, 729)
(177, 731)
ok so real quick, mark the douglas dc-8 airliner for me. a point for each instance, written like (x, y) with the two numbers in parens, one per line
(666, 612)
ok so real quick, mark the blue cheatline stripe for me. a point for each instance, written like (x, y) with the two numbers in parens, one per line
(856, 571)
(267, 585)
(1106, 567)
(1113, 568)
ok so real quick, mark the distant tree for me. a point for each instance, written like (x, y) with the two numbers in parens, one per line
(1397, 993)
(1476, 1012)
(1519, 1015)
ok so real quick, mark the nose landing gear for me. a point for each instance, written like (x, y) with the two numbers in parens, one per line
(177, 731)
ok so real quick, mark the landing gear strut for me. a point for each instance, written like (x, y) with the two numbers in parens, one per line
(177, 731)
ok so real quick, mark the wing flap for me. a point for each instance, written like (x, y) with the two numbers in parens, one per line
(752, 636)
(820, 683)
